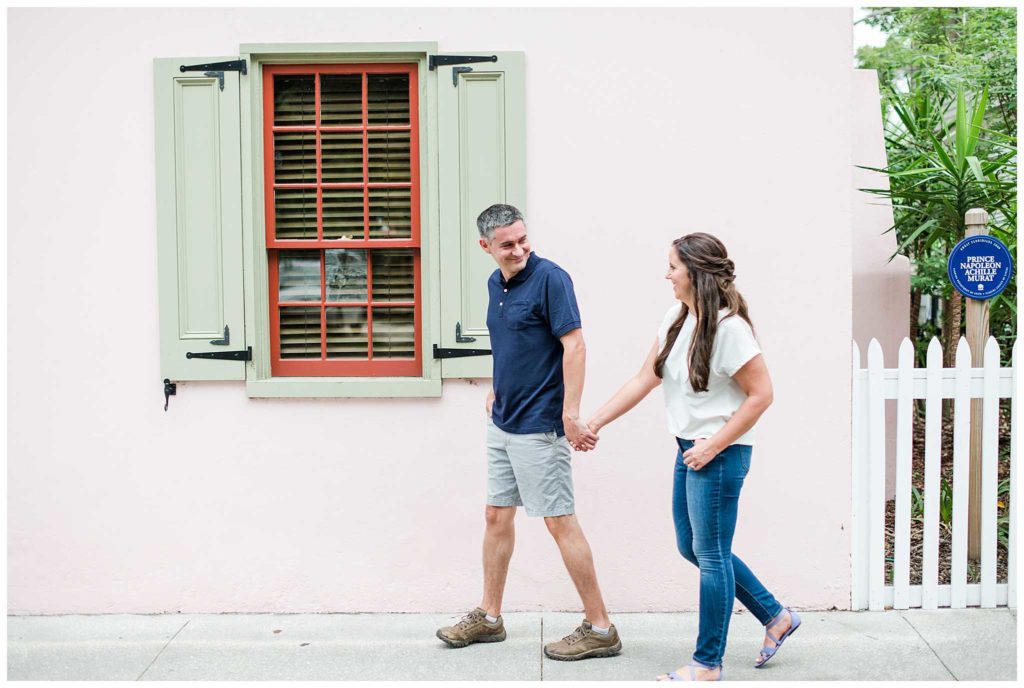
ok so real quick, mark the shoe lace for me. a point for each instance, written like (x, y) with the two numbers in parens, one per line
(468, 620)
(576, 636)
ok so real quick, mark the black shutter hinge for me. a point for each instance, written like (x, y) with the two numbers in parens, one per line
(442, 60)
(455, 74)
(459, 353)
(217, 69)
(225, 341)
(245, 355)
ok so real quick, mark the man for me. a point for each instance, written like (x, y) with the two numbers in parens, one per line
(533, 406)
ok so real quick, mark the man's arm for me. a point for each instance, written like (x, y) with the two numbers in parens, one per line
(574, 363)
(490, 401)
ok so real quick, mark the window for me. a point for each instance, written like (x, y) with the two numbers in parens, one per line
(316, 214)
(342, 228)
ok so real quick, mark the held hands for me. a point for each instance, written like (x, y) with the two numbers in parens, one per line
(580, 436)
(700, 454)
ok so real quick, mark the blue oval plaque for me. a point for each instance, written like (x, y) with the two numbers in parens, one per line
(980, 267)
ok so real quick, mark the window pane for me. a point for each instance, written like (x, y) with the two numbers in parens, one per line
(341, 100)
(345, 272)
(392, 274)
(300, 333)
(342, 156)
(390, 216)
(346, 333)
(293, 100)
(298, 276)
(389, 156)
(343, 213)
(295, 213)
(387, 97)
(294, 158)
(394, 333)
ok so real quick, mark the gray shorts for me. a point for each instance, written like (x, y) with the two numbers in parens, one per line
(533, 471)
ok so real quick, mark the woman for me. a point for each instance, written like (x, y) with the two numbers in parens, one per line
(716, 387)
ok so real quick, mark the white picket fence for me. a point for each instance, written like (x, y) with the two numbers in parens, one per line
(872, 386)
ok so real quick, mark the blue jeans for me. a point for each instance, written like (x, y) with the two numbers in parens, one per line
(704, 506)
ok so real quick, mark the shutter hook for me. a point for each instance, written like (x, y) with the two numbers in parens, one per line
(169, 389)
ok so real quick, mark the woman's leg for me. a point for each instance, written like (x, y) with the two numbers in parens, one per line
(749, 590)
(684, 542)
(752, 593)
(680, 515)
(712, 496)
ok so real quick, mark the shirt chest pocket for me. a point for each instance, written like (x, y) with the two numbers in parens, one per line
(519, 315)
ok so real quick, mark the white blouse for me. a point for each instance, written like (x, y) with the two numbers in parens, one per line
(699, 415)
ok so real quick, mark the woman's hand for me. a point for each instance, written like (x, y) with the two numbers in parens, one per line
(700, 454)
(578, 434)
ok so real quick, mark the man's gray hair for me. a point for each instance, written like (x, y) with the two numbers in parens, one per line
(498, 215)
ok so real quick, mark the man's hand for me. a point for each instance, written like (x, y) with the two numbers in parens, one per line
(700, 454)
(578, 434)
(489, 403)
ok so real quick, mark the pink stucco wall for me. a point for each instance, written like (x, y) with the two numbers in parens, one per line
(642, 125)
(881, 287)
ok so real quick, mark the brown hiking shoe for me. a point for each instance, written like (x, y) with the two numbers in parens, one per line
(583, 643)
(473, 628)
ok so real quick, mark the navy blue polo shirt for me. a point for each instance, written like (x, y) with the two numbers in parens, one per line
(525, 317)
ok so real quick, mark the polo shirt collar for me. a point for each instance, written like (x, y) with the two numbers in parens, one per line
(524, 274)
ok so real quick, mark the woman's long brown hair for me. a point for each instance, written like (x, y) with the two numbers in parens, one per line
(711, 280)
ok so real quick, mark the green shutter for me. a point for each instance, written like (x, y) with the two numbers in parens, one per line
(199, 222)
(482, 161)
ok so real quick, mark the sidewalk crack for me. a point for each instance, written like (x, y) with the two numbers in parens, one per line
(162, 650)
(542, 647)
(948, 670)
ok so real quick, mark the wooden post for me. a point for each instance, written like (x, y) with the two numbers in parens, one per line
(977, 335)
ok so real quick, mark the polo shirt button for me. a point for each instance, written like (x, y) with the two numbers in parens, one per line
(506, 291)
(501, 303)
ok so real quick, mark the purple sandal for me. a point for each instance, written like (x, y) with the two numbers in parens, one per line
(769, 652)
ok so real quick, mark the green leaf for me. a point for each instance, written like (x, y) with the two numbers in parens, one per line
(960, 145)
(909, 240)
(919, 170)
(999, 163)
(979, 115)
(943, 156)
(905, 117)
(975, 166)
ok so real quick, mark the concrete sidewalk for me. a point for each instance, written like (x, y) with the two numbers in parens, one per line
(912, 645)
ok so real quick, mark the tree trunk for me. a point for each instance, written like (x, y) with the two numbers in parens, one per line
(951, 327)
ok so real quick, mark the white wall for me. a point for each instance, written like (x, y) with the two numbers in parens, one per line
(642, 125)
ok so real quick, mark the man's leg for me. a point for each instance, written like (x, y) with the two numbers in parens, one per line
(499, 541)
(580, 563)
(543, 465)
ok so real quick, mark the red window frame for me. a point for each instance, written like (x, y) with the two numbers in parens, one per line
(371, 367)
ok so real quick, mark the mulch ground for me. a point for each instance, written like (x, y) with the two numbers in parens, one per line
(945, 530)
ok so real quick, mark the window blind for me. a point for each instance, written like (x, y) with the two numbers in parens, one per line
(342, 187)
